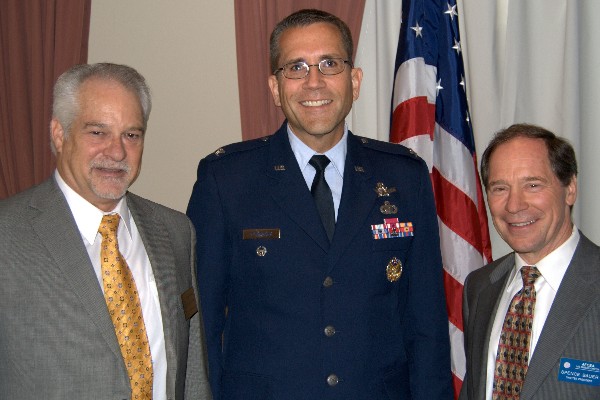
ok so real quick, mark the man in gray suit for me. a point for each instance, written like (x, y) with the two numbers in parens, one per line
(530, 176)
(58, 339)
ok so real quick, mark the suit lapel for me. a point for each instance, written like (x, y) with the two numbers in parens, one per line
(162, 260)
(485, 312)
(571, 304)
(57, 230)
(358, 198)
(288, 188)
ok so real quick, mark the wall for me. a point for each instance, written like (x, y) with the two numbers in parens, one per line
(186, 51)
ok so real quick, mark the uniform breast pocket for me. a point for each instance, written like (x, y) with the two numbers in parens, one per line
(390, 254)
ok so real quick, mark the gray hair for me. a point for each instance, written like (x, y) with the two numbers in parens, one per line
(560, 152)
(66, 105)
(304, 18)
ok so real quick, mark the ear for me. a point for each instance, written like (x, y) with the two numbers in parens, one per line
(572, 191)
(57, 134)
(356, 80)
(274, 85)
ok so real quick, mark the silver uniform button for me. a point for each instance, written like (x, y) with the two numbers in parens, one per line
(332, 380)
(329, 331)
(328, 282)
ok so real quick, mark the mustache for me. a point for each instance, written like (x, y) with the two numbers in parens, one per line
(110, 164)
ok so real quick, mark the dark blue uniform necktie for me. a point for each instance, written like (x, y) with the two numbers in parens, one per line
(322, 194)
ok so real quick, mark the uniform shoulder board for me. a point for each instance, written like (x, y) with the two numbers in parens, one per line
(388, 147)
(238, 147)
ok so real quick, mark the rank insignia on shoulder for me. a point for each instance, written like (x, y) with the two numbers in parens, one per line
(388, 208)
(391, 228)
(219, 151)
(393, 270)
(382, 190)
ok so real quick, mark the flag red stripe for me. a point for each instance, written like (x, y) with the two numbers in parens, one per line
(456, 210)
(457, 385)
(412, 117)
(454, 290)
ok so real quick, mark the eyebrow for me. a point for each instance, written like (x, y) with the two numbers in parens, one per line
(321, 58)
(526, 179)
(101, 125)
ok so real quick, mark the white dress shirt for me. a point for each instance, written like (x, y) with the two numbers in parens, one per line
(552, 268)
(334, 172)
(88, 218)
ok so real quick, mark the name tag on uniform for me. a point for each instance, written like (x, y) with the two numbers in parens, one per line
(579, 371)
(253, 234)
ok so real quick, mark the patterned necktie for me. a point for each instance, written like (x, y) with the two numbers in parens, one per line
(513, 349)
(125, 310)
(322, 194)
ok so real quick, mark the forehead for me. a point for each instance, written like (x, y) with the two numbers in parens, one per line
(520, 156)
(311, 41)
(96, 93)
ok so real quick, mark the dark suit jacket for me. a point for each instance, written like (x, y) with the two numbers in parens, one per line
(284, 314)
(572, 329)
(57, 340)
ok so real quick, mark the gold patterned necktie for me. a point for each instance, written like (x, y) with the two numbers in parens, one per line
(512, 359)
(125, 310)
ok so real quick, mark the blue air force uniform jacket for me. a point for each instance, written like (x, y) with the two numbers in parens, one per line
(290, 316)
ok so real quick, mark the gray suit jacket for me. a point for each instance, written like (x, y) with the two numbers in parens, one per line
(572, 328)
(57, 340)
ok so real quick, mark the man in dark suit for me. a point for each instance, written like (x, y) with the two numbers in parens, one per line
(88, 312)
(547, 346)
(334, 295)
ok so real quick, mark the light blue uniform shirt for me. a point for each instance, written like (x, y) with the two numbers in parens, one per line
(334, 173)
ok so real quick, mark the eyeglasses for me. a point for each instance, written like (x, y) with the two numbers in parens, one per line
(300, 69)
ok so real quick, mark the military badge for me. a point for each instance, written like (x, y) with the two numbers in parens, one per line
(382, 190)
(393, 270)
(261, 251)
(388, 208)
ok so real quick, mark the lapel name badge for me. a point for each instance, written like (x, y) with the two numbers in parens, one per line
(393, 270)
(253, 234)
(392, 228)
(388, 208)
(382, 190)
(261, 251)
(579, 371)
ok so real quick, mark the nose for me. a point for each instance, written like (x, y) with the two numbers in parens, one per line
(516, 201)
(115, 148)
(314, 77)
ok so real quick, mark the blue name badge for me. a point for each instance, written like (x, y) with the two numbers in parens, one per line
(578, 371)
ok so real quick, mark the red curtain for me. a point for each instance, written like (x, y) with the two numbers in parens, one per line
(39, 39)
(254, 21)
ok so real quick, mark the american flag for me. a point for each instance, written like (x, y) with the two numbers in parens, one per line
(431, 116)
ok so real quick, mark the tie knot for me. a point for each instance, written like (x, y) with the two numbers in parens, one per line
(109, 225)
(319, 162)
(529, 273)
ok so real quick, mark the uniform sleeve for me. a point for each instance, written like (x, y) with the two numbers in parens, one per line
(426, 328)
(205, 211)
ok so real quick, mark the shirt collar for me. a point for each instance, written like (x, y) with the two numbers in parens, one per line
(554, 266)
(86, 215)
(303, 153)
